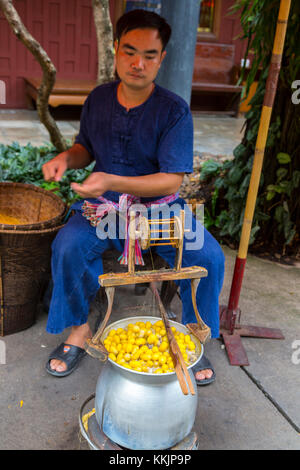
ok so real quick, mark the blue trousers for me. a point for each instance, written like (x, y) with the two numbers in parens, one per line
(77, 263)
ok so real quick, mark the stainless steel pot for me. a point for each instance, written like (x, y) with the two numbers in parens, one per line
(144, 411)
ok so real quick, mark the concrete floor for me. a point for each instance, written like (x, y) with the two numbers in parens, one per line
(24, 126)
(250, 407)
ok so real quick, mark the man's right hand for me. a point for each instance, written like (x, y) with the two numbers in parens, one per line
(55, 168)
(74, 158)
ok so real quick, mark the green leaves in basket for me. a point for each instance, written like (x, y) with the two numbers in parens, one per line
(23, 164)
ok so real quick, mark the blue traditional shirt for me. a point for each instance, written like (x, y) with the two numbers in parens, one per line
(156, 136)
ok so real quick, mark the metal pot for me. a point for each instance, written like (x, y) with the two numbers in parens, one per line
(143, 411)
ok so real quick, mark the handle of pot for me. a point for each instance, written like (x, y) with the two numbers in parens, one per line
(81, 425)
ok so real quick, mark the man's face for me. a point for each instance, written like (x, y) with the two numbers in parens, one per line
(138, 57)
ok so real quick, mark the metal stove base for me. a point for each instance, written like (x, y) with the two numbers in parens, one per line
(97, 440)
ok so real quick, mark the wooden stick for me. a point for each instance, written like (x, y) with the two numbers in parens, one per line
(194, 286)
(179, 364)
(131, 250)
(199, 329)
(123, 279)
(180, 233)
(158, 221)
(110, 292)
(167, 230)
(93, 346)
(163, 244)
(160, 238)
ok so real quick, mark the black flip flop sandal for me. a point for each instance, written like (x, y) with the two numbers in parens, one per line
(68, 353)
(201, 365)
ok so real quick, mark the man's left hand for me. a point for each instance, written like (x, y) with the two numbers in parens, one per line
(94, 186)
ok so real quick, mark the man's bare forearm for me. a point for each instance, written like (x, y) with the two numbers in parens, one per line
(77, 157)
(147, 185)
(157, 184)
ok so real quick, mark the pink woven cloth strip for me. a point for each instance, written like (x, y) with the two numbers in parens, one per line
(95, 212)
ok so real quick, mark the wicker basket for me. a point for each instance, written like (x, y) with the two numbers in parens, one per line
(25, 254)
(35, 207)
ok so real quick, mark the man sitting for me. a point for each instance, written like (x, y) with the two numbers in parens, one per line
(140, 136)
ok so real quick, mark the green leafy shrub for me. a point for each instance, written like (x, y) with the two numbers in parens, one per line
(23, 164)
(276, 221)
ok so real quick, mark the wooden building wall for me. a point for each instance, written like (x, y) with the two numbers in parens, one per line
(227, 29)
(65, 29)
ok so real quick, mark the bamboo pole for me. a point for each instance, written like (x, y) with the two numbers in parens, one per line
(271, 86)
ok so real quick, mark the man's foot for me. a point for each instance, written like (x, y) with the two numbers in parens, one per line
(77, 337)
(203, 372)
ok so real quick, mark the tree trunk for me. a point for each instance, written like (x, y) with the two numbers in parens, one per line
(49, 72)
(104, 34)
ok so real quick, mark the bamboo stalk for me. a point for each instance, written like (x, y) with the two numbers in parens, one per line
(264, 125)
(271, 85)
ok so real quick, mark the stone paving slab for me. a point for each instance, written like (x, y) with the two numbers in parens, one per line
(270, 297)
(228, 131)
(233, 413)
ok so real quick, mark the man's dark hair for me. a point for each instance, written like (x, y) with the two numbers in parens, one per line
(143, 19)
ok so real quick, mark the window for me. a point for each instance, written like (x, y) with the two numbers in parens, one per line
(206, 19)
(209, 20)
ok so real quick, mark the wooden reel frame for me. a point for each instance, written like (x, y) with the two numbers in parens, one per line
(145, 230)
